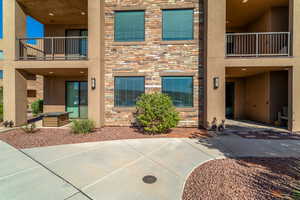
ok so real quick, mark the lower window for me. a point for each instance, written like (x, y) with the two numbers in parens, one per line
(180, 89)
(128, 90)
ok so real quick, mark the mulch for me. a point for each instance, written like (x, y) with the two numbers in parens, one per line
(267, 134)
(243, 179)
(50, 137)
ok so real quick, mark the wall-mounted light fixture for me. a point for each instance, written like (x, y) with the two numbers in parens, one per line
(93, 83)
(216, 82)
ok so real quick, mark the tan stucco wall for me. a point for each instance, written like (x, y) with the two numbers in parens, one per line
(59, 30)
(55, 92)
(214, 66)
(279, 92)
(257, 98)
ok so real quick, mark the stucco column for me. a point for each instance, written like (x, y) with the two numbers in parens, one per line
(15, 98)
(96, 61)
(14, 84)
(214, 60)
(296, 68)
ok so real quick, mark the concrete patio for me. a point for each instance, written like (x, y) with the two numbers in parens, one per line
(115, 169)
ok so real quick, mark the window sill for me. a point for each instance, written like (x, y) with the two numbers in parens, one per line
(129, 43)
(177, 42)
(124, 109)
(191, 109)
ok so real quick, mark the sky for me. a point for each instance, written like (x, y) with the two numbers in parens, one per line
(34, 28)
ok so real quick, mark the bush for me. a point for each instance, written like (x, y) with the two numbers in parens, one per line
(29, 128)
(156, 113)
(37, 107)
(1, 112)
(82, 126)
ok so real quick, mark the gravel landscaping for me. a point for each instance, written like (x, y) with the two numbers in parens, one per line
(50, 137)
(243, 179)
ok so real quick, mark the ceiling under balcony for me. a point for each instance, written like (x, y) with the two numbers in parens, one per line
(243, 12)
(56, 11)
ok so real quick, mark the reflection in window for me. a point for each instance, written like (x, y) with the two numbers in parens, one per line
(129, 26)
(127, 90)
(178, 24)
(180, 89)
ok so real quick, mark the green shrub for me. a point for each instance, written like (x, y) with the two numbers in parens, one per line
(82, 126)
(29, 128)
(156, 113)
(296, 195)
(1, 112)
(37, 107)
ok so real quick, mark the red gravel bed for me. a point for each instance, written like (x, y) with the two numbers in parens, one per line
(49, 137)
(243, 179)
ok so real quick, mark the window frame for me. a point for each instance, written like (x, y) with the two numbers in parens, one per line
(115, 77)
(163, 20)
(115, 25)
(193, 92)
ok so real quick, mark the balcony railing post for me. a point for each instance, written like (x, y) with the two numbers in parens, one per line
(52, 49)
(257, 47)
(289, 44)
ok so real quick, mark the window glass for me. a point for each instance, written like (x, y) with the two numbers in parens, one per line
(1, 74)
(180, 89)
(129, 26)
(178, 24)
(127, 90)
(1, 55)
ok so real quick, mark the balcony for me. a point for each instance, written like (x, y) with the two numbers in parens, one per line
(263, 44)
(53, 48)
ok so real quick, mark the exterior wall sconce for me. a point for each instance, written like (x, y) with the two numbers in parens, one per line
(216, 82)
(93, 83)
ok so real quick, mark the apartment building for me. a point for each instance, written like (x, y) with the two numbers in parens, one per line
(217, 59)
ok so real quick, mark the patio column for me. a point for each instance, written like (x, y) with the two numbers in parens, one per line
(14, 84)
(295, 102)
(15, 97)
(214, 61)
(96, 61)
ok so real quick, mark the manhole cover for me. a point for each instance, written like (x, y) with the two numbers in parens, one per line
(149, 179)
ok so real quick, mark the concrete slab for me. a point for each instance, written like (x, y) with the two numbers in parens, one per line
(152, 144)
(87, 167)
(12, 161)
(53, 153)
(127, 183)
(78, 196)
(210, 147)
(180, 157)
(35, 184)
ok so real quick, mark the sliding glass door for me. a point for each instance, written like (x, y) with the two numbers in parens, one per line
(77, 99)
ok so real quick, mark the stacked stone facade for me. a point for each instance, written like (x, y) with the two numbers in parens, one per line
(38, 86)
(153, 58)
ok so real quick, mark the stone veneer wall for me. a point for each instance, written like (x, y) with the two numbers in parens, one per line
(153, 57)
(37, 85)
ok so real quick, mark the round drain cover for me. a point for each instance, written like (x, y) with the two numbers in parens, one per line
(149, 179)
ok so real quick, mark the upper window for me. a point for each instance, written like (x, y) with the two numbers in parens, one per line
(1, 74)
(178, 24)
(129, 26)
(180, 89)
(127, 90)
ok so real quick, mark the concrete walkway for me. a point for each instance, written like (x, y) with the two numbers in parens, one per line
(115, 169)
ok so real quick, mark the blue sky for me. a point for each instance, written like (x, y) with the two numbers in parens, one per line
(34, 28)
